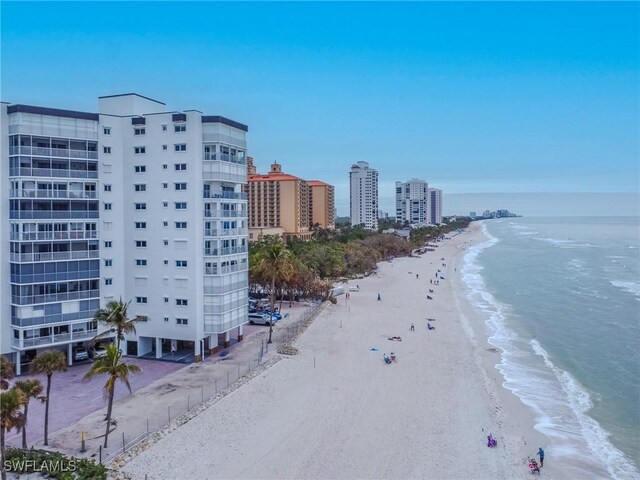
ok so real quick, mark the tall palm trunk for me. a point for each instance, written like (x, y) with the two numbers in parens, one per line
(106, 433)
(24, 427)
(4, 471)
(46, 410)
(273, 301)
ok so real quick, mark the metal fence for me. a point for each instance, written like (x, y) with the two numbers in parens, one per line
(228, 372)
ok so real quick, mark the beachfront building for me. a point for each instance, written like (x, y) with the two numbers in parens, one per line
(322, 205)
(363, 198)
(132, 202)
(286, 205)
(434, 206)
(418, 204)
(173, 223)
(412, 202)
(49, 231)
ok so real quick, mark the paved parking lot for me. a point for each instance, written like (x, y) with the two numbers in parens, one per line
(72, 398)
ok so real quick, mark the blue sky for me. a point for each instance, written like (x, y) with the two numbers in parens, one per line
(472, 97)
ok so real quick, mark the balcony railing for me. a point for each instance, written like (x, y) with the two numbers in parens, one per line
(27, 236)
(228, 232)
(35, 214)
(54, 297)
(53, 339)
(48, 256)
(220, 289)
(52, 152)
(232, 195)
(215, 213)
(225, 251)
(52, 172)
(224, 270)
(225, 157)
(52, 194)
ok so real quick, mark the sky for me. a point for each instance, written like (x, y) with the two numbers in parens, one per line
(471, 97)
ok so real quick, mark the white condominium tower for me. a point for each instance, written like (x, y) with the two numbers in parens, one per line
(363, 200)
(133, 202)
(417, 203)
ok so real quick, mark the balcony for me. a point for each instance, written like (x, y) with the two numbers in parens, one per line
(54, 256)
(73, 235)
(216, 213)
(231, 195)
(52, 214)
(225, 157)
(221, 289)
(54, 339)
(225, 270)
(54, 297)
(53, 152)
(52, 172)
(229, 232)
(52, 194)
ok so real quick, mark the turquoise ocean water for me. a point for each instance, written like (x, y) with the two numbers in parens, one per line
(561, 299)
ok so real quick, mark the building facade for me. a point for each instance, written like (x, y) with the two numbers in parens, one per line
(363, 198)
(49, 230)
(418, 204)
(283, 204)
(322, 205)
(435, 206)
(137, 203)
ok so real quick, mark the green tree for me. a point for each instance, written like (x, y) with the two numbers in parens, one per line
(114, 315)
(31, 388)
(7, 372)
(48, 362)
(274, 267)
(11, 417)
(112, 366)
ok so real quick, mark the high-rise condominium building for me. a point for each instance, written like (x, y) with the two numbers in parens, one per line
(417, 203)
(411, 201)
(133, 202)
(322, 204)
(435, 206)
(283, 204)
(363, 199)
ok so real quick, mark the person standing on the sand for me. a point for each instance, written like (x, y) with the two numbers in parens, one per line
(412, 327)
(379, 297)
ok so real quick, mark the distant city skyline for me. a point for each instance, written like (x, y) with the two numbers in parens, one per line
(473, 97)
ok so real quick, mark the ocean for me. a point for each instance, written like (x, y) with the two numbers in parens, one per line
(561, 300)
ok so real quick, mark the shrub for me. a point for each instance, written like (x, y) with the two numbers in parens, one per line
(333, 300)
(53, 465)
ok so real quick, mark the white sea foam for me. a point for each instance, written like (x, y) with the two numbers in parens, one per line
(631, 287)
(558, 401)
(597, 438)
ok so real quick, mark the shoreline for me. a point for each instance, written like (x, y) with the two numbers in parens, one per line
(336, 403)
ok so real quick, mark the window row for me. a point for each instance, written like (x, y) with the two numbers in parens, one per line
(177, 128)
(143, 206)
(179, 225)
(142, 262)
(179, 321)
(180, 302)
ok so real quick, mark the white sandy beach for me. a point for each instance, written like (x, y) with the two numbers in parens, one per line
(337, 411)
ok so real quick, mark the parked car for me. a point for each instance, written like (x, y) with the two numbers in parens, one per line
(276, 315)
(260, 318)
(80, 354)
(99, 352)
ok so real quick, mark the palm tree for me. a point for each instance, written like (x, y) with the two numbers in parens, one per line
(30, 389)
(7, 372)
(111, 366)
(275, 264)
(48, 362)
(115, 316)
(11, 402)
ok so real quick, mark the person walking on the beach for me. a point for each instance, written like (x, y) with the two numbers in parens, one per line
(541, 455)
(379, 297)
(417, 276)
(412, 327)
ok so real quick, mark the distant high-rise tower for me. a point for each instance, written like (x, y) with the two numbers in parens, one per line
(363, 200)
(412, 201)
(435, 205)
